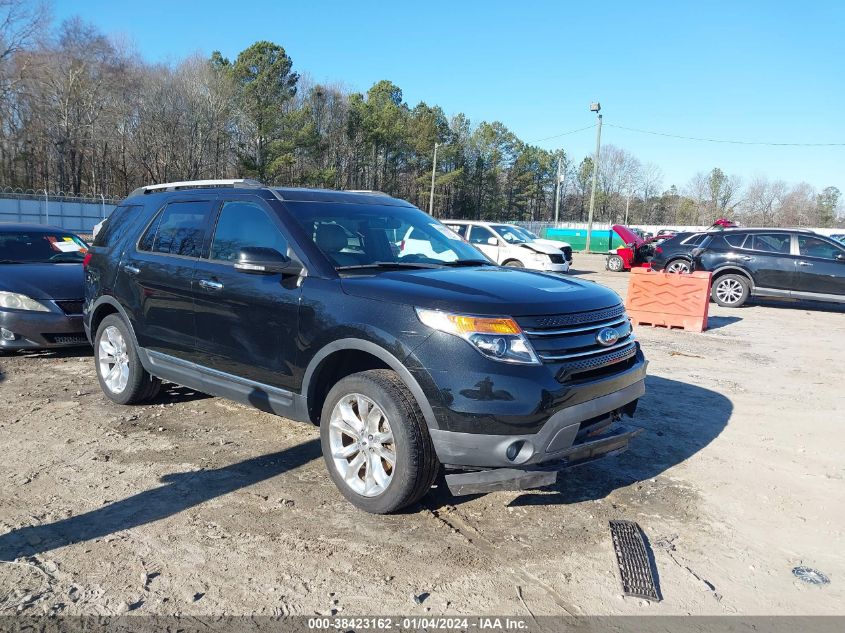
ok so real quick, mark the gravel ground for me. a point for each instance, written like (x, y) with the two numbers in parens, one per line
(196, 505)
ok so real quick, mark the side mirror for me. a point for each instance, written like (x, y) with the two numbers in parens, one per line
(492, 241)
(264, 261)
(840, 257)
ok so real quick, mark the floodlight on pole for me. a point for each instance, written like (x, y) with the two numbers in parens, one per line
(594, 107)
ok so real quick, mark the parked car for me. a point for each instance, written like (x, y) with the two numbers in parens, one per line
(407, 362)
(41, 287)
(839, 237)
(675, 254)
(772, 263)
(565, 247)
(635, 252)
(507, 246)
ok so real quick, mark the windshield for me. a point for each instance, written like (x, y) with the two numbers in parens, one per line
(37, 247)
(366, 236)
(511, 234)
(528, 233)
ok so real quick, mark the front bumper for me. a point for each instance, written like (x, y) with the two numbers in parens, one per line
(548, 267)
(37, 330)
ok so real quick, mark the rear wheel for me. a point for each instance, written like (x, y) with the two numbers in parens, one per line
(375, 442)
(678, 266)
(730, 291)
(122, 377)
(614, 263)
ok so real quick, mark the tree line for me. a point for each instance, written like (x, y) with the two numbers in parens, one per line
(83, 113)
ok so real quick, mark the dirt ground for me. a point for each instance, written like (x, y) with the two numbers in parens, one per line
(196, 505)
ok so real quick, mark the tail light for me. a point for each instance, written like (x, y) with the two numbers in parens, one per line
(658, 250)
(86, 259)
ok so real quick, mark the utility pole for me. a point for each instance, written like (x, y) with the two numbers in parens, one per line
(627, 202)
(433, 173)
(594, 107)
(557, 194)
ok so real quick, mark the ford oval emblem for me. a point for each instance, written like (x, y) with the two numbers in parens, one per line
(607, 336)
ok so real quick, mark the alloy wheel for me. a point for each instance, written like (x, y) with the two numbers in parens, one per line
(678, 267)
(729, 290)
(113, 359)
(361, 443)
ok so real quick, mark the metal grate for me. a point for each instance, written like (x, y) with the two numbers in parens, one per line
(71, 307)
(66, 339)
(578, 318)
(633, 559)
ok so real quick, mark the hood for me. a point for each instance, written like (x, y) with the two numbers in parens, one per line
(627, 235)
(44, 281)
(485, 290)
(557, 244)
(540, 247)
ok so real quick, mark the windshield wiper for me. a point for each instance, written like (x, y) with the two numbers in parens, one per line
(469, 262)
(389, 265)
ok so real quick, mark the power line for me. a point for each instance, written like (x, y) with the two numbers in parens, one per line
(580, 129)
(719, 140)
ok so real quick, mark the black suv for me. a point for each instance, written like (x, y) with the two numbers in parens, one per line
(781, 263)
(675, 254)
(300, 302)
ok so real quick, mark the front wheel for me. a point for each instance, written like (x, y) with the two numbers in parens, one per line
(375, 442)
(514, 263)
(730, 291)
(614, 263)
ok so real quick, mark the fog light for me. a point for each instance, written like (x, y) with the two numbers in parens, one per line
(7, 335)
(513, 450)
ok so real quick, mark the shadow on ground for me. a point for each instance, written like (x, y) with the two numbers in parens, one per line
(679, 420)
(179, 492)
(716, 322)
(797, 304)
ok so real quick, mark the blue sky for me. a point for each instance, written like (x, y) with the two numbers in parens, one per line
(755, 71)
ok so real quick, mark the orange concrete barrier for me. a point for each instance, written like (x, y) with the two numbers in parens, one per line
(669, 299)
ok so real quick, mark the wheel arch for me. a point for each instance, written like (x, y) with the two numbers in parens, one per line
(733, 270)
(103, 307)
(346, 356)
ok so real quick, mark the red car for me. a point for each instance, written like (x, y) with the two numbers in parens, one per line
(636, 252)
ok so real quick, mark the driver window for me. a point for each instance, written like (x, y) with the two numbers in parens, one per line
(480, 235)
(814, 247)
(244, 224)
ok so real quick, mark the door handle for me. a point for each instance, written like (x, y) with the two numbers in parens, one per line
(804, 264)
(210, 285)
(746, 258)
(132, 270)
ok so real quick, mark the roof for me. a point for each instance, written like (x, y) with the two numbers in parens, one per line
(293, 194)
(20, 227)
(742, 229)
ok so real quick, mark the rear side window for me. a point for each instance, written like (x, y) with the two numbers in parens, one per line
(115, 225)
(241, 225)
(695, 240)
(178, 230)
(460, 229)
(769, 242)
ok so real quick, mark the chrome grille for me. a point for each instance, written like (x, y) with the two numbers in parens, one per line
(570, 340)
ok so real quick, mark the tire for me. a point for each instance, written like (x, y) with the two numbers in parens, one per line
(415, 465)
(678, 266)
(514, 263)
(614, 264)
(114, 349)
(730, 291)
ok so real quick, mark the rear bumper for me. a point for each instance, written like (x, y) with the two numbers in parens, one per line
(37, 330)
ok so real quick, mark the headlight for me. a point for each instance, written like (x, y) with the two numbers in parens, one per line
(15, 301)
(499, 338)
(541, 257)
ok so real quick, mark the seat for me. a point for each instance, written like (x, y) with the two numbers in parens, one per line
(332, 239)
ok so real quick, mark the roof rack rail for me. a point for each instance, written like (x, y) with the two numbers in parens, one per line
(196, 184)
(370, 191)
